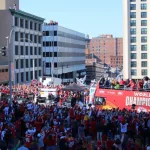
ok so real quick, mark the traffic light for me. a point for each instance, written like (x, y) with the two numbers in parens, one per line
(3, 51)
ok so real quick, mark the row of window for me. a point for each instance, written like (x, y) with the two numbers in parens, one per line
(27, 50)
(49, 54)
(133, 23)
(3, 70)
(143, 72)
(143, 56)
(63, 44)
(133, 31)
(143, 39)
(134, 64)
(27, 76)
(25, 37)
(134, 47)
(133, 14)
(143, 6)
(135, 0)
(19, 22)
(26, 63)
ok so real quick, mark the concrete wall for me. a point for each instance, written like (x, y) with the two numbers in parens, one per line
(5, 4)
(5, 28)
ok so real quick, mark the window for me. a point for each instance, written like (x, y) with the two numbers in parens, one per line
(17, 76)
(21, 23)
(132, 6)
(16, 36)
(27, 63)
(31, 37)
(26, 24)
(133, 31)
(133, 63)
(143, 22)
(144, 72)
(47, 65)
(35, 50)
(31, 75)
(16, 21)
(132, 14)
(133, 40)
(22, 76)
(144, 31)
(44, 54)
(35, 26)
(16, 50)
(55, 65)
(55, 43)
(31, 62)
(22, 63)
(26, 36)
(55, 54)
(27, 50)
(46, 33)
(21, 36)
(55, 33)
(133, 72)
(133, 47)
(133, 23)
(35, 62)
(144, 56)
(39, 50)
(39, 27)
(143, 6)
(21, 50)
(39, 72)
(17, 64)
(144, 47)
(35, 39)
(144, 39)
(36, 76)
(143, 0)
(133, 55)
(40, 64)
(143, 14)
(31, 51)
(144, 63)
(27, 76)
(47, 54)
(39, 39)
(132, 0)
(31, 25)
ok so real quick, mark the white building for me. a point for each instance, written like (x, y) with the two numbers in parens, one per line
(26, 41)
(63, 52)
(136, 39)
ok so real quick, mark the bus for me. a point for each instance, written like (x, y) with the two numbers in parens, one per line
(111, 98)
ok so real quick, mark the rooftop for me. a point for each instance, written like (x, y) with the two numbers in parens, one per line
(27, 15)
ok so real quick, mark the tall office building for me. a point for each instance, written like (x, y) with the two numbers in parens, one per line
(25, 32)
(136, 39)
(107, 49)
(63, 52)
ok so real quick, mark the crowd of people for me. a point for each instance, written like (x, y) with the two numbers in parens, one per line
(32, 126)
(142, 84)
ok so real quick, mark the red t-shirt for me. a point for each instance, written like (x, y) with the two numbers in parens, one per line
(109, 144)
(29, 140)
(38, 126)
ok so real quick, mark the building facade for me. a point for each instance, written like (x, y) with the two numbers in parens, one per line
(136, 49)
(25, 32)
(107, 49)
(94, 70)
(63, 52)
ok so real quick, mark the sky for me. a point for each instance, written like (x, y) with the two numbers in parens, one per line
(92, 17)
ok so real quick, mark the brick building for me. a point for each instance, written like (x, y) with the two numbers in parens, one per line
(107, 49)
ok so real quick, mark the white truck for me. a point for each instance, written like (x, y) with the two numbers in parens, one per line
(50, 81)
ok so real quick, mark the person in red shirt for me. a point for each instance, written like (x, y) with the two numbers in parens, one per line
(28, 138)
(109, 144)
(38, 126)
